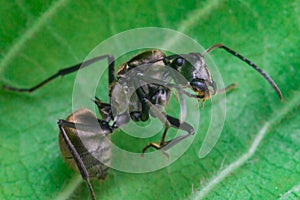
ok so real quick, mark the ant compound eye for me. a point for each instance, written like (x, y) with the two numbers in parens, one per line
(198, 85)
(179, 61)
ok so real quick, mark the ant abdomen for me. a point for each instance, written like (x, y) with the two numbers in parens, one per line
(93, 146)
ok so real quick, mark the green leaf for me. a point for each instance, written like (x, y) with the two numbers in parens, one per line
(257, 155)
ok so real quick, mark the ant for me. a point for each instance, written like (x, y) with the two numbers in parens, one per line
(141, 89)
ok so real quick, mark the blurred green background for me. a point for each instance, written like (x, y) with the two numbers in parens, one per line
(37, 39)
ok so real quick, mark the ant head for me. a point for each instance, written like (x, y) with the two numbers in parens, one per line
(194, 69)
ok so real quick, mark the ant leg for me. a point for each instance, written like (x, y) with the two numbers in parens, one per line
(143, 97)
(175, 123)
(169, 122)
(104, 109)
(169, 85)
(81, 167)
(228, 88)
(69, 70)
(179, 88)
(165, 145)
(103, 127)
(136, 116)
(79, 158)
(158, 146)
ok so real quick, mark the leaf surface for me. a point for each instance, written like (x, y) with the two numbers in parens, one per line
(257, 155)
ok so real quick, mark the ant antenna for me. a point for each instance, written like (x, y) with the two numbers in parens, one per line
(259, 70)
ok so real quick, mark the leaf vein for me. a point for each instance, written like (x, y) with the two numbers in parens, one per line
(280, 114)
(30, 32)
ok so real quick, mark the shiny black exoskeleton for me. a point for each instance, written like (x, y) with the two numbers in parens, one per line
(140, 89)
